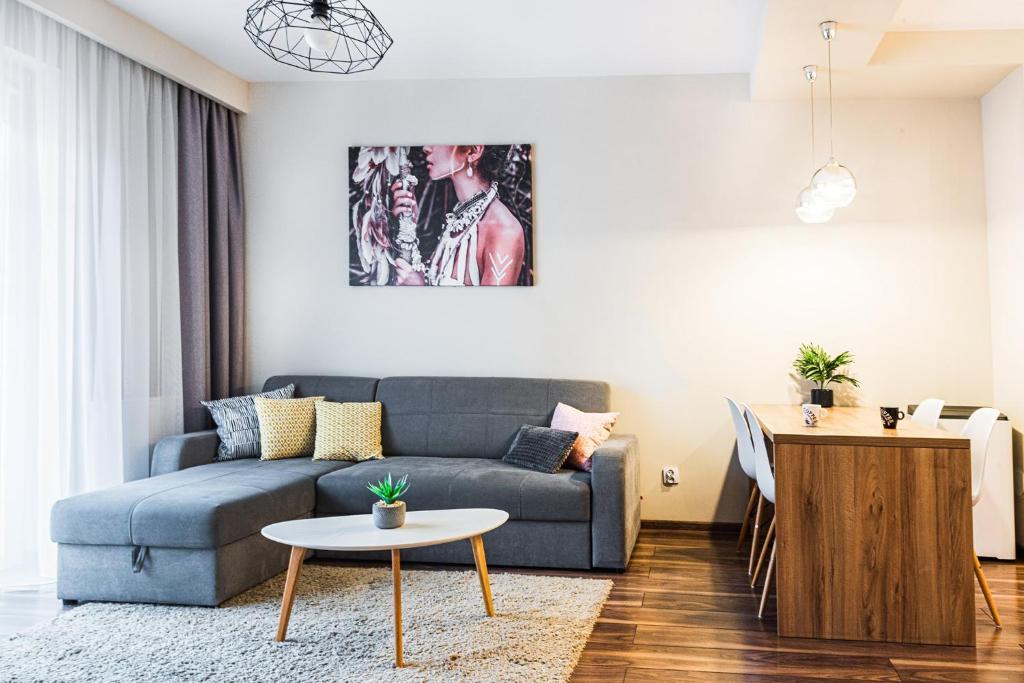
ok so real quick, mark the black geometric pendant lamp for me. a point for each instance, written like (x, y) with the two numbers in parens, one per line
(328, 36)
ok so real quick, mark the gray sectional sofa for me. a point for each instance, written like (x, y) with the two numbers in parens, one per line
(190, 534)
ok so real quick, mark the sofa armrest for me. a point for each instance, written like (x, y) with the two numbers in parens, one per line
(615, 506)
(180, 452)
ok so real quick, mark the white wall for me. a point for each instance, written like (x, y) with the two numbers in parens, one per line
(1003, 125)
(668, 258)
(1003, 120)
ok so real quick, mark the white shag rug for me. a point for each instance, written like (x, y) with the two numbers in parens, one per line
(341, 629)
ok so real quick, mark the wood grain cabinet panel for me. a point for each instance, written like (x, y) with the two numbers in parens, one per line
(874, 541)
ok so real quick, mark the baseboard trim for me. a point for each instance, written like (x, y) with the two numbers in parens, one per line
(707, 527)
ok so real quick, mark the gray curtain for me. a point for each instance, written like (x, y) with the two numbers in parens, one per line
(210, 254)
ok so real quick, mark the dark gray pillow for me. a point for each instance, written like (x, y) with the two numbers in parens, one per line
(541, 449)
(238, 426)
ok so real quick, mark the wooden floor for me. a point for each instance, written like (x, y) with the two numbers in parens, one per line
(684, 611)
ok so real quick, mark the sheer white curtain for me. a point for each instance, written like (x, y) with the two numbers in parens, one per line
(90, 342)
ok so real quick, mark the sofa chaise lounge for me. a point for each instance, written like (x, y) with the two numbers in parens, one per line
(190, 533)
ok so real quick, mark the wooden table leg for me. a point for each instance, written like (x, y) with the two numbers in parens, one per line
(481, 570)
(396, 578)
(294, 567)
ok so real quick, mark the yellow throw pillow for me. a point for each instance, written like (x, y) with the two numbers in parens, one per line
(287, 426)
(348, 431)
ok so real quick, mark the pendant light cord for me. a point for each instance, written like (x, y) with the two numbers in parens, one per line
(831, 146)
(813, 155)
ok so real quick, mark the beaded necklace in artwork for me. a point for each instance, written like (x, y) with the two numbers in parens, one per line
(457, 249)
(469, 212)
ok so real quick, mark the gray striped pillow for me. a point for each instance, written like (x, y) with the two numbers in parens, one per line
(238, 426)
(541, 449)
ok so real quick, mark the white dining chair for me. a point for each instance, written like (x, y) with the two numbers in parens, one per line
(766, 483)
(745, 454)
(928, 412)
(979, 430)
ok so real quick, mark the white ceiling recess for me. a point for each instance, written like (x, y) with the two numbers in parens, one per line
(885, 48)
(891, 48)
(959, 15)
(444, 39)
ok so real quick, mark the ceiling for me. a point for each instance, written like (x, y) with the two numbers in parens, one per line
(486, 39)
(885, 48)
(958, 15)
(891, 48)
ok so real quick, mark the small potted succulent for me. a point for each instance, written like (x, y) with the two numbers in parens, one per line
(815, 365)
(389, 512)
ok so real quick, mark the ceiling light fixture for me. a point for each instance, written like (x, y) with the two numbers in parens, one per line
(833, 183)
(328, 36)
(810, 208)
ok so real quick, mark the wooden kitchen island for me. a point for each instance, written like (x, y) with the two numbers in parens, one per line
(874, 528)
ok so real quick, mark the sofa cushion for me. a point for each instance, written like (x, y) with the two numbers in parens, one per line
(237, 424)
(201, 507)
(348, 431)
(446, 483)
(337, 389)
(473, 417)
(540, 449)
(593, 428)
(287, 426)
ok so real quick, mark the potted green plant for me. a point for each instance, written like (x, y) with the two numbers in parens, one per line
(389, 512)
(815, 365)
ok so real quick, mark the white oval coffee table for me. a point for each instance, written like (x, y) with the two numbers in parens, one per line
(357, 533)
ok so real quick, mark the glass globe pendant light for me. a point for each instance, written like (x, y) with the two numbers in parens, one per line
(833, 183)
(810, 208)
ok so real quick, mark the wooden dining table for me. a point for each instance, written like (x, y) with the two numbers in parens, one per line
(874, 528)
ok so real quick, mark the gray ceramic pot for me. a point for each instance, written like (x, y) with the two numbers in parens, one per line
(389, 516)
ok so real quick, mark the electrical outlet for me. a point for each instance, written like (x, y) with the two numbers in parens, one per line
(670, 475)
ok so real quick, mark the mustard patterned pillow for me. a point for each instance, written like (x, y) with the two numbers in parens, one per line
(287, 426)
(348, 431)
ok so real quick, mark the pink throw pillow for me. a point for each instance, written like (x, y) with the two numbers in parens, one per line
(593, 428)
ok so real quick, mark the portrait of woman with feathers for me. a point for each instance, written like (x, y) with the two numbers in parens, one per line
(441, 215)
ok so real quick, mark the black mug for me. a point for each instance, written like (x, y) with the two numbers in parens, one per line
(890, 416)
